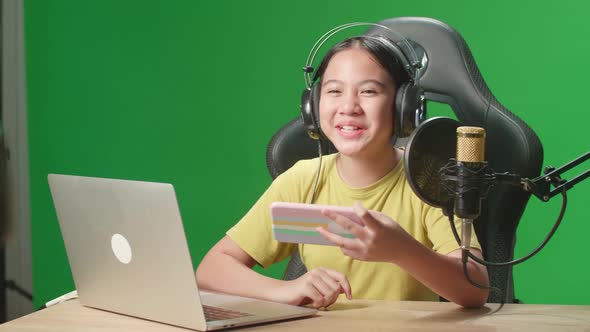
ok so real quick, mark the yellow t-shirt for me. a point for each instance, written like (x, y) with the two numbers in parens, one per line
(391, 195)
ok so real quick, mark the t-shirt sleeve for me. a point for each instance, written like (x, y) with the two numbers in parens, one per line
(440, 232)
(253, 233)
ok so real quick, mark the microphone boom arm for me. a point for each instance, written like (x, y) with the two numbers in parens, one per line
(541, 186)
(484, 178)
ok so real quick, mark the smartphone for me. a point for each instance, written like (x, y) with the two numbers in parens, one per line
(297, 222)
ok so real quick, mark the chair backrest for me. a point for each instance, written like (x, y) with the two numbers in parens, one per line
(452, 77)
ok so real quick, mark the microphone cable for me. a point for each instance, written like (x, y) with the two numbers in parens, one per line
(535, 251)
(466, 254)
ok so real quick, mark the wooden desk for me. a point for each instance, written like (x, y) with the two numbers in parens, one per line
(354, 315)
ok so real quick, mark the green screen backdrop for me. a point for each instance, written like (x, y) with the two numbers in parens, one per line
(190, 92)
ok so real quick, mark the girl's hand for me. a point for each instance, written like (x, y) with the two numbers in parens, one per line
(379, 239)
(319, 287)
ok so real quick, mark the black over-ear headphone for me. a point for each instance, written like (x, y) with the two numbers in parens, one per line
(410, 108)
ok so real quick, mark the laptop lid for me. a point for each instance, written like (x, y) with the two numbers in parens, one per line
(128, 253)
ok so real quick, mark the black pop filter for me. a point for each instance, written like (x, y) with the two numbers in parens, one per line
(429, 148)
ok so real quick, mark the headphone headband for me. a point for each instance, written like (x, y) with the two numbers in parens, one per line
(410, 65)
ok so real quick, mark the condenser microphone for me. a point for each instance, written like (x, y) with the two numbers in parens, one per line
(470, 162)
(469, 173)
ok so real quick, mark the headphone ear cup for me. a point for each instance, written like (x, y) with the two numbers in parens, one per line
(409, 109)
(310, 111)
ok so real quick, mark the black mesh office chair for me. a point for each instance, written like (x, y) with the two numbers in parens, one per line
(451, 77)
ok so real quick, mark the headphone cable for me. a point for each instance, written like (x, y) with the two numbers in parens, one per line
(317, 175)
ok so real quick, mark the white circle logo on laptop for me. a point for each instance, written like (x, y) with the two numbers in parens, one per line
(121, 248)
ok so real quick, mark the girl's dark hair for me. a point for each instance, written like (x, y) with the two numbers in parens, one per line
(378, 48)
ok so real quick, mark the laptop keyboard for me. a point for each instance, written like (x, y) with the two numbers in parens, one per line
(216, 313)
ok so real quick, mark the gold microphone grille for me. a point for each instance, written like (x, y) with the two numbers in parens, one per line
(470, 144)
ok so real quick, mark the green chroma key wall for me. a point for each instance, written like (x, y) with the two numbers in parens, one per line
(190, 92)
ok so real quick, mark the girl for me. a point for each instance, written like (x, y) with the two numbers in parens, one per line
(404, 250)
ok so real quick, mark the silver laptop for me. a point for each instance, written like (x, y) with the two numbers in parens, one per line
(128, 254)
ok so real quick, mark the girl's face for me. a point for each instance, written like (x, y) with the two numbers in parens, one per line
(356, 104)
